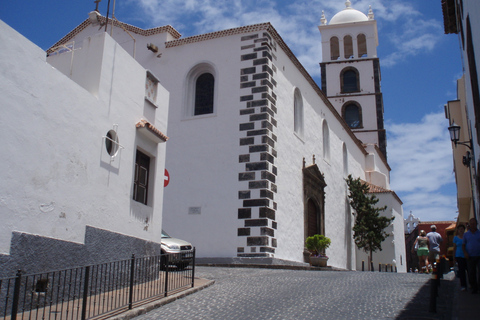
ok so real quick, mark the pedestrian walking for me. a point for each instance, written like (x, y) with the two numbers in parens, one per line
(422, 243)
(471, 250)
(459, 257)
(435, 240)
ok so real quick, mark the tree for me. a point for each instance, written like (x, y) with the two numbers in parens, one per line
(369, 229)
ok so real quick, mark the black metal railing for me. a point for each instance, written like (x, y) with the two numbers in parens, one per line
(90, 291)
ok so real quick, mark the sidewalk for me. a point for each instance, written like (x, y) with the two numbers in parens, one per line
(466, 306)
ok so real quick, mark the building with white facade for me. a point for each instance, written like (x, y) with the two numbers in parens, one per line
(75, 129)
(258, 154)
(462, 18)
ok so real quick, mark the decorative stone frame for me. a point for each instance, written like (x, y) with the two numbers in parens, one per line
(313, 190)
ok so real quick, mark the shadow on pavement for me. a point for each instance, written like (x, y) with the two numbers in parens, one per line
(419, 306)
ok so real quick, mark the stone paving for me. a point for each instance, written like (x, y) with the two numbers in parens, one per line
(255, 293)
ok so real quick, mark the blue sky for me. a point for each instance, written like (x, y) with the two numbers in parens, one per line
(419, 63)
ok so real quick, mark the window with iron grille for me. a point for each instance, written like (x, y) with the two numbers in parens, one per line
(352, 113)
(349, 80)
(201, 83)
(204, 87)
(140, 183)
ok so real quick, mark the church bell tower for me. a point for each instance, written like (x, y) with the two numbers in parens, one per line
(350, 73)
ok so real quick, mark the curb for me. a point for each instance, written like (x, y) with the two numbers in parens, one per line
(269, 266)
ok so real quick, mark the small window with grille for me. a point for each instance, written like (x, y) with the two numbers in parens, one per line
(140, 183)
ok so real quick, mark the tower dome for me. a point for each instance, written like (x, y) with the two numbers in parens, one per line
(348, 15)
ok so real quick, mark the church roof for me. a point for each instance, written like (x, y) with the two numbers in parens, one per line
(102, 20)
(348, 15)
(377, 189)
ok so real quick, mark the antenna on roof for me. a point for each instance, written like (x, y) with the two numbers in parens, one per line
(96, 4)
(108, 11)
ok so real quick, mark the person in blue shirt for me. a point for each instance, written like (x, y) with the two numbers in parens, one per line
(435, 239)
(471, 249)
(459, 257)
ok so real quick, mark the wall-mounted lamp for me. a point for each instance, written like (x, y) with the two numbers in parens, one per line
(454, 130)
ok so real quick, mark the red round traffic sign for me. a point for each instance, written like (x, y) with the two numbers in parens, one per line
(166, 178)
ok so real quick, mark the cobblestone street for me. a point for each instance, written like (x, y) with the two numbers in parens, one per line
(251, 293)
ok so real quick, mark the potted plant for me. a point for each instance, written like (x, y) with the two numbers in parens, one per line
(317, 244)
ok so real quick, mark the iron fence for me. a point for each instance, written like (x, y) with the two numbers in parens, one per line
(95, 290)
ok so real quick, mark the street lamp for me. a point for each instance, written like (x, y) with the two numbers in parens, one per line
(454, 130)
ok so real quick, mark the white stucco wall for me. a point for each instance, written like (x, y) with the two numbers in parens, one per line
(201, 201)
(292, 150)
(393, 248)
(57, 176)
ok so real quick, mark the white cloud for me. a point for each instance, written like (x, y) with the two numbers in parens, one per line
(420, 155)
(411, 36)
(295, 21)
(409, 32)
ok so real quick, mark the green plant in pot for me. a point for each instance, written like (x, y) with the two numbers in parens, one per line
(317, 244)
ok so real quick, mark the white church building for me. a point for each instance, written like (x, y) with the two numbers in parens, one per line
(258, 153)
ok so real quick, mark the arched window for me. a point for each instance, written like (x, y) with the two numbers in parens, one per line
(348, 46)
(298, 112)
(345, 160)
(352, 114)
(204, 88)
(349, 80)
(362, 45)
(334, 48)
(326, 140)
(200, 91)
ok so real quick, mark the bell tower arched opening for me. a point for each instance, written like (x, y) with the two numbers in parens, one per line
(362, 46)
(334, 48)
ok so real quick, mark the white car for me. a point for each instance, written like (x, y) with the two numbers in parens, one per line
(180, 252)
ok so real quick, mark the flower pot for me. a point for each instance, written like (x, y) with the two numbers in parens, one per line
(318, 261)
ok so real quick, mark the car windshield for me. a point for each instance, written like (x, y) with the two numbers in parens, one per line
(165, 235)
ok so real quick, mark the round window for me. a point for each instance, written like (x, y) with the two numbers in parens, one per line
(111, 143)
